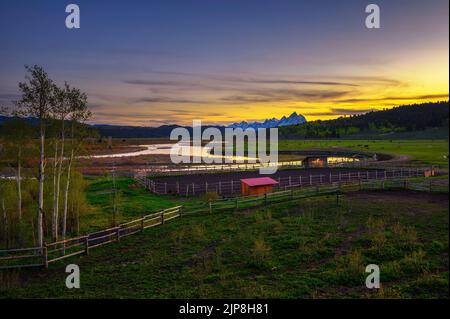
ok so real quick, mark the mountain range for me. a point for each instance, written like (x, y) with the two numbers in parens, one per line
(293, 119)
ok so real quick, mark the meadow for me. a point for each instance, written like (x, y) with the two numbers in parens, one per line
(310, 248)
(313, 248)
(419, 151)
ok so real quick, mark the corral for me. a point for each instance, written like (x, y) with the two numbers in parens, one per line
(228, 184)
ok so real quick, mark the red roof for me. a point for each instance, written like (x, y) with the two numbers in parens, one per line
(259, 181)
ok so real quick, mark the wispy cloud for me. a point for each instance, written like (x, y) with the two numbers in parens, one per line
(285, 81)
(339, 111)
(167, 100)
(398, 98)
(274, 95)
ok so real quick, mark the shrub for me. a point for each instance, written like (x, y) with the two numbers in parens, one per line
(210, 196)
(261, 251)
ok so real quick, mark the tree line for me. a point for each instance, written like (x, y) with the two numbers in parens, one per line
(41, 157)
(405, 118)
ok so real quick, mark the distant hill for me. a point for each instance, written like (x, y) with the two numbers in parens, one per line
(293, 119)
(390, 123)
(426, 120)
(135, 131)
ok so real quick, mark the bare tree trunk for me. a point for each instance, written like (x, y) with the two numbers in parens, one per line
(55, 198)
(58, 180)
(41, 177)
(33, 232)
(19, 183)
(5, 223)
(66, 195)
(114, 221)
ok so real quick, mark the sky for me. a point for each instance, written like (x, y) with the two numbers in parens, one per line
(149, 63)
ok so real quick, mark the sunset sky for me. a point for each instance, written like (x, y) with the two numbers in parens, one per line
(222, 61)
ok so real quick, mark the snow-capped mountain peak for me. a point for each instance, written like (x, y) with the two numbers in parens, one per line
(293, 119)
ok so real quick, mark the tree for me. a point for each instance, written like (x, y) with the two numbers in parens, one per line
(17, 132)
(79, 113)
(37, 101)
(62, 109)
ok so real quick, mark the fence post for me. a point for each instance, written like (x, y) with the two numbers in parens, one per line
(180, 211)
(86, 245)
(310, 179)
(193, 189)
(178, 188)
(45, 255)
(206, 187)
(165, 188)
(118, 233)
(292, 193)
(162, 218)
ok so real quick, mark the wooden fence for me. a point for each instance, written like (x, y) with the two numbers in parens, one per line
(52, 252)
(38, 257)
(171, 170)
(233, 187)
(296, 193)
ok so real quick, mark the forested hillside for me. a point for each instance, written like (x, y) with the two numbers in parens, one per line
(396, 121)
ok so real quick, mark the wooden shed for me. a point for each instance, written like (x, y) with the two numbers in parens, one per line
(257, 186)
(315, 161)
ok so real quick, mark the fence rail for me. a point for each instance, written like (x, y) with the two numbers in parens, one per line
(55, 251)
(233, 187)
(167, 170)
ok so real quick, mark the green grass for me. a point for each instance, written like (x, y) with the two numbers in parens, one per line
(134, 201)
(306, 249)
(421, 151)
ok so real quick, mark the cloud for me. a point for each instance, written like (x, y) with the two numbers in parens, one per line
(339, 111)
(369, 79)
(9, 96)
(398, 98)
(151, 82)
(276, 95)
(167, 100)
(284, 81)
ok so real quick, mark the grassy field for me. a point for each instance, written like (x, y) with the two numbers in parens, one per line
(311, 248)
(307, 249)
(421, 151)
(133, 202)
